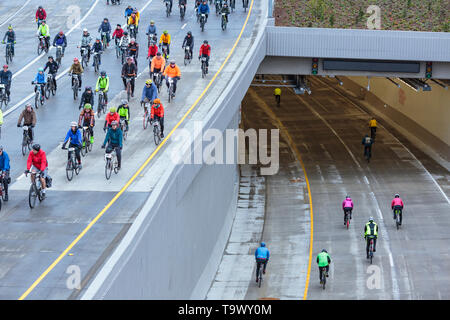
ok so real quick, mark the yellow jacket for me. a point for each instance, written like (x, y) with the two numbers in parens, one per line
(373, 123)
(277, 92)
(130, 20)
(164, 38)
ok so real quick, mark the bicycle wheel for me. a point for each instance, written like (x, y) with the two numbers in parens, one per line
(37, 100)
(8, 59)
(324, 279)
(156, 135)
(39, 49)
(128, 91)
(77, 168)
(32, 195)
(108, 169)
(47, 91)
(83, 150)
(144, 121)
(69, 170)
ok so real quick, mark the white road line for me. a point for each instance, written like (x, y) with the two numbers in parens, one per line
(15, 13)
(184, 25)
(146, 5)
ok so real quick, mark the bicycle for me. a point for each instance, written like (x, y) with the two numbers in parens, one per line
(156, 131)
(164, 50)
(86, 144)
(96, 61)
(3, 96)
(170, 89)
(39, 99)
(158, 81)
(128, 86)
(111, 163)
(245, 5)
(182, 11)
(84, 57)
(347, 218)
(58, 55)
(50, 86)
(150, 39)
(35, 189)
(101, 103)
(104, 39)
(26, 140)
(323, 278)
(75, 85)
(397, 217)
(202, 21)
(118, 49)
(224, 21)
(132, 31)
(124, 129)
(371, 248)
(259, 273)
(187, 55)
(168, 10)
(42, 45)
(147, 115)
(8, 53)
(368, 155)
(3, 182)
(123, 50)
(203, 59)
(71, 164)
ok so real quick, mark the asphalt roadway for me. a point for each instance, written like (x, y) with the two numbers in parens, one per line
(32, 240)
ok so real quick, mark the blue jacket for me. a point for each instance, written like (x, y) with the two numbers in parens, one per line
(151, 29)
(60, 41)
(105, 27)
(5, 77)
(128, 12)
(40, 78)
(114, 136)
(4, 161)
(262, 253)
(203, 8)
(149, 93)
(75, 138)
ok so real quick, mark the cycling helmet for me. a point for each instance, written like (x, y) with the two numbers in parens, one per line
(112, 109)
(103, 73)
(88, 88)
(149, 81)
(5, 66)
(397, 195)
(114, 123)
(105, 19)
(158, 54)
(119, 25)
(165, 32)
(152, 22)
(125, 33)
(43, 21)
(40, 7)
(41, 70)
(85, 30)
(347, 197)
(36, 147)
(50, 57)
(135, 10)
(61, 32)
(10, 27)
(371, 219)
(189, 33)
(75, 59)
(87, 106)
(28, 105)
(124, 101)
(132, 40)
(323, 250)
(172, 61)
(205, 41)
(157, 101)
(73, 124)
(263, 244)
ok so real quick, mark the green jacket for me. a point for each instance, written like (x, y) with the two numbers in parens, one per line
(371, 229)
(44, 30)
(124, 111)
(103, 83)
(323, 259)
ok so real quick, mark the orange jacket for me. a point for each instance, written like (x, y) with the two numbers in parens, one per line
(172, 72)
(157, 111)
(158, 63)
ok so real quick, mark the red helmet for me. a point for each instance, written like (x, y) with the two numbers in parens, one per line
(75, 59)
(61, 32)
(5, 66)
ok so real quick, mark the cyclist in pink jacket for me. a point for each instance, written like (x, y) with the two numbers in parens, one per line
(347, 205)
(397, 204)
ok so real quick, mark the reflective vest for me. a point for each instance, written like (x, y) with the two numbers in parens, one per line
(277, 92)
(373, 123)
(323, 259)
(371, 229)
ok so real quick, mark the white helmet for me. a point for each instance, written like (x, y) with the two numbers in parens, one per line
(73, 124)
(85, 30)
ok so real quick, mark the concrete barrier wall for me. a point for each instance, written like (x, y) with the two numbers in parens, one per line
(175, 244)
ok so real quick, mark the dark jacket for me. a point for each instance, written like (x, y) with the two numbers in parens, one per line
(52, 67)
(188, 41)
(105, 27)
(97, 47)
(10, 36)
(114, 136)
(129, 69)
(5, 77)
(87, 98)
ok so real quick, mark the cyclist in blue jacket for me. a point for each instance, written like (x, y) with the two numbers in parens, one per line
(203, 8)
(4, 167)
(74, 134)
(40, 78)
(262, 257)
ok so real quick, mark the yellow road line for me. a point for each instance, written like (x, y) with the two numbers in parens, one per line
(74, 242)
(263, 105)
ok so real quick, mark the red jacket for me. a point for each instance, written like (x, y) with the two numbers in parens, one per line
(152, 50)
(157, 111)
(41, 15)
(118, 33)
(39, 160)
(205, 50)
(110, 118)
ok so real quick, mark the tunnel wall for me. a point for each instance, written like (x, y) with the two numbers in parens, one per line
(175, 244)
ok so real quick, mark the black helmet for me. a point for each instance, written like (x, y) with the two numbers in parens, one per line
(40, 7)
(36, 147)
(88, 88)
(189, 33)
(103, 73)
(105, 19)
(125, 33)
(205, 41)
(323, 250)
(397, 195)
(50, 57)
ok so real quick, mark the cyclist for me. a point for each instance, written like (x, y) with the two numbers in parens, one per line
(105, 26)
(262, 255)
(128, 12)
(87, 119)
(172, 71)
(114, 138)
(103, 84)
(171, 2)
(37, 161)
(124, 112)
(10, 37)
(157, 113)
(52, 68)
(85, 43)
(203, 8)
(5, 78)
(188, 42)
(124, 41)
(4, 168)
(373, 127)
(152, 50)
(77, 69)
(367, 142)
(397, 204)
(98, 48)
(133, 49)
(277, 94)
(133, 20)
(225, 9)
(40, 78)
(76, 140)
(149, 91)
(164, 40)
(151, 29)
(129, 69)
(347, 205)
(111, 116)
(205, 51)
(158, 64)
(371, 229)
(60, 40)
(40, 15)
(118, 34)
(87, 97)
(323, 260)
(29, 119)
(45, 32)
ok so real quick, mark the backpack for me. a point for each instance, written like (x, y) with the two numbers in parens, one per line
(367, 140)
(48, 181)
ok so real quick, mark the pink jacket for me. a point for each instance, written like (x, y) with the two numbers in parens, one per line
(347, 203)
(396, 202)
